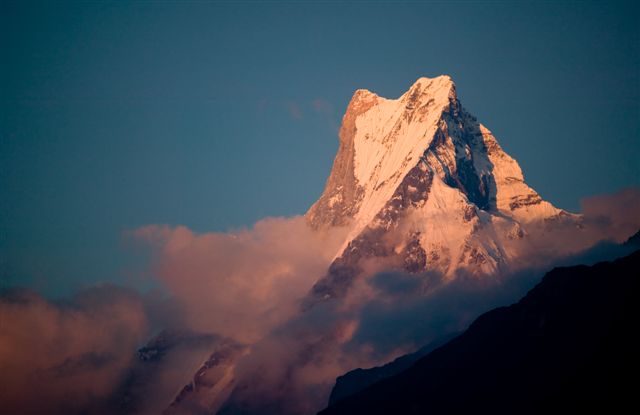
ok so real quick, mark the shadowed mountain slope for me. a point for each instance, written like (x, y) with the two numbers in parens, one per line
(568, 346)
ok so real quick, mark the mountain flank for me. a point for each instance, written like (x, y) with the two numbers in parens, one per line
(568, 346)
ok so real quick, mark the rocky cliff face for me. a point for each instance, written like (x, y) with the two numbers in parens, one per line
(423, 186)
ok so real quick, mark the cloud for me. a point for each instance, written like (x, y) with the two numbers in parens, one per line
(326, 110)
(79, 355)
(291, 370)
(241, 284)
(388, 314)
(247, 285)
(294, 109)
(67, 357)
(322, 106)
(616, 215)
(610, 217)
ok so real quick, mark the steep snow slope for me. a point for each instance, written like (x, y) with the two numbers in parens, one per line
(423, 186)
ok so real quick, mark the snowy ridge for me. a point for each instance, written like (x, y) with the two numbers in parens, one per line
(514, 197)
(390, 139)
(445, 227)
(423, 186)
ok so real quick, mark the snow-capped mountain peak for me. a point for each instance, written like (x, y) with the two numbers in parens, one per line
(421, 183)
(380, 140)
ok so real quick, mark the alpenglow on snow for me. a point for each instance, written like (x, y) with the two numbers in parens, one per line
(423, 186)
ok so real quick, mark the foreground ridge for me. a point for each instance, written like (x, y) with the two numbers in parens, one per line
(564, 347)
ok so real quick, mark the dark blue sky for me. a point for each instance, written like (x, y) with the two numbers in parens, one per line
(115, 115)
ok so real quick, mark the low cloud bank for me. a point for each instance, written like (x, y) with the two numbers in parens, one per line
(66, 357)
(247, 285)
(292, 370)
(241, 284)
(617, 215)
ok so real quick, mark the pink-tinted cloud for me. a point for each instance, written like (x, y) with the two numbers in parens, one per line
(247, 285)
(325, 110)
(66, 357)
(295, 110)
(617, 215)
(322, 106)
(241, 284)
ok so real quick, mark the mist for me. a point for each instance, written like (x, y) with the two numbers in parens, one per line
(241, 284)
(246, 287)
(67, 357)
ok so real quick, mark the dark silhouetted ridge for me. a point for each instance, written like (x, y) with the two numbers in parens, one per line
(359, 379)
(568, 346)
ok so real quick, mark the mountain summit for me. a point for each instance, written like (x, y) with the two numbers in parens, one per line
(418, 186)
(422, 186)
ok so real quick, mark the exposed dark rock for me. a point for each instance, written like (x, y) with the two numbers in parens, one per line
(528, 200)
(413, 256)
(139, 392)
(169, 339)
(342, 195)
(207, 376)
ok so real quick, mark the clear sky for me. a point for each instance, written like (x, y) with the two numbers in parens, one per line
(115, 115)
